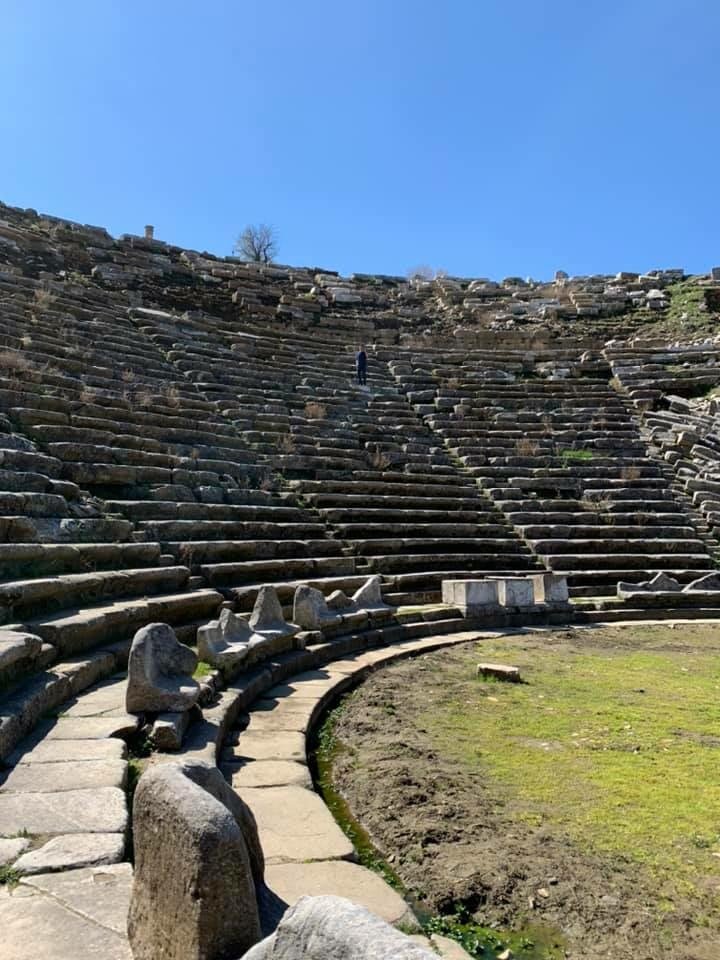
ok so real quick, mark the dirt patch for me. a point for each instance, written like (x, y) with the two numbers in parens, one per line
(458, 836)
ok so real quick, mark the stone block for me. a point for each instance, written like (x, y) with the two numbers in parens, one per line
(471, 596)
(499, 671)
(194, 895)
(550, 588)
(169, 729)
(516, 591)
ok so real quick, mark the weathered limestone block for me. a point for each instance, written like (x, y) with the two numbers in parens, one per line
(516, 592)
(550, 588)
(369, 595)
(194, 890)
(318, 928)
(160, 672)
(310, 611)
(471, 596)
(267, 616)
(169, 729)
(225, 642)
(499, 671)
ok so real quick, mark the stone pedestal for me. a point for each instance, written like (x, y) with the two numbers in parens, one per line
(516, 591)
(472, 597)
(550, 588)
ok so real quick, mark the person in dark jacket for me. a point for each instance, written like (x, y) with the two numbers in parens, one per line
(361, 365)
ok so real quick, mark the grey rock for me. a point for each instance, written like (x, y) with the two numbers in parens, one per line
(267, 616)
(317, 928)
(159, 672)
(225, 642)
(193, 895)
(369, 595)
(310, 611)
(73, 851)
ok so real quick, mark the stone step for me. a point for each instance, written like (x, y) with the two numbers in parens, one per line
(357, 518)
(36, 559)
(186, 530)
(253, 571)
(77, 632)
(407, 526)
(600, 533)
(409, 546)
(446, 561)
(173, 510)
(619, 545)
(23, 598)
(24, 707)
(225, 551)
(605, 562)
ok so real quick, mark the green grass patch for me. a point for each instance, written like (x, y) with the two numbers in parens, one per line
(9, 876)
(569, 454)
(203, 669)
(618, 747)
(533, 943)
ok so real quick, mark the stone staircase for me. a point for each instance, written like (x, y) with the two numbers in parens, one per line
(561, 455)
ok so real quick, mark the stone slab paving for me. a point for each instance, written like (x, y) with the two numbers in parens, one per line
(271, 745)
(75, 915)
(64, 775)
(93, 728)
(96, 810)
(290, 881)
(75, 909)
(65, 790)
(294, 824)
(61, 751)
(74, 850)
(267, 773)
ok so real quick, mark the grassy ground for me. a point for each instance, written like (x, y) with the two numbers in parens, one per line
(614, 742)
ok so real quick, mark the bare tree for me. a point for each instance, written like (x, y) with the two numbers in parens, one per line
(257, 242)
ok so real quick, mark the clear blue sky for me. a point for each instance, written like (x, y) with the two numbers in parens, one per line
(486, 137)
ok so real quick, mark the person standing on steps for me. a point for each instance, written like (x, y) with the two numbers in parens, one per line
(361, 365)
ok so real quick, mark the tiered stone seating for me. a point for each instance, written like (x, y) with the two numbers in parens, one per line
(563, 458)
(360, 459)
(673, 388)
